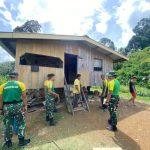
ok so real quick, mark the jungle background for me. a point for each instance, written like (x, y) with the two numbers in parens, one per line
(88, 130)
(137, 50)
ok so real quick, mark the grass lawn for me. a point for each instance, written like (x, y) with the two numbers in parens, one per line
(143, 94)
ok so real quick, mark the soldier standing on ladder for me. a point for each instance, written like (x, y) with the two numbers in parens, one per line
(13, 105)
(50, 96)
(77, 90)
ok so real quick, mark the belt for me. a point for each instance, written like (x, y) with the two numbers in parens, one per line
(14, 102)
(115, 96)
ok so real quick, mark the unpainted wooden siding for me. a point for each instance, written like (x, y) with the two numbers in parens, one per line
(85, 54)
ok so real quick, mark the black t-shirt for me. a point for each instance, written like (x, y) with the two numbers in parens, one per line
(131, 86)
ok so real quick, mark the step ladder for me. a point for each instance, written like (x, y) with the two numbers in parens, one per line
(69, 99)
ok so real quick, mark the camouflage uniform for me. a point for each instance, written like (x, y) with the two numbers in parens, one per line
(114, 87)
(113, 105)
(12, 108)
(11, 112)
(49, 99)
(50, 104)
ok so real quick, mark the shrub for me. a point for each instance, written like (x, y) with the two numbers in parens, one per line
(6, 68)
(138, 65)
(3, 79)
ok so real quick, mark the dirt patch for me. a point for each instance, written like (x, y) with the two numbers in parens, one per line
(87, 130)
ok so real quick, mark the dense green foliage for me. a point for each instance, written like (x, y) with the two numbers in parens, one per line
(141, 39)
(142, 93)
(143, 27)
(138, 65)
(5, 69)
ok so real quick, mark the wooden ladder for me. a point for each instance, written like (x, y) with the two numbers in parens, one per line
(69, 99)
(84, 101)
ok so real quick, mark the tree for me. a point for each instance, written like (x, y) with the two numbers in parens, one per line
(143, 28)
(139, 65)
(107, 42)
(31, 26)
(122, 51)
(137, 43)
(141, 39)
(7, 67)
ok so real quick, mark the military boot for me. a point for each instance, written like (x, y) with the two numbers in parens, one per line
(55, 110)
(23, 142)
(7, 144)
(112, 128)
(47, 118)
(52, 122)
(109, 121)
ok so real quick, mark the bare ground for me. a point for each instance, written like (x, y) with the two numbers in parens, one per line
(87, 130)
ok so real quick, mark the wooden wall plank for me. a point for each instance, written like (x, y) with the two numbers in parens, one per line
(58, 49)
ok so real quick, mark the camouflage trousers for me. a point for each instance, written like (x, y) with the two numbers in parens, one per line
(11, 112)
(113, 106)
(50, 105)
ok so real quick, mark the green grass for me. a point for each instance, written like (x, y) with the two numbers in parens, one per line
(143, 94)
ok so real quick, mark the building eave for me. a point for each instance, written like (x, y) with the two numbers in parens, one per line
(38, 36)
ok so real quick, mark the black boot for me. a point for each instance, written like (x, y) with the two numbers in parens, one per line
(23, 142)
(55, 110)
(109, 121)
(7, 144)
(52, 122)
(114, 128)
(47, 118)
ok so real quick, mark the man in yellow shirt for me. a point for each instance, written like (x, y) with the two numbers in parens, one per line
(76, 90)
(104, 90)
(50, 96)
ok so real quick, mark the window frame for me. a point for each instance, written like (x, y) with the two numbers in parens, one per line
(98, 68)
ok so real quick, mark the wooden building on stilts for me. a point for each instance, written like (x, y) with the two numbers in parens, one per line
(37, 55)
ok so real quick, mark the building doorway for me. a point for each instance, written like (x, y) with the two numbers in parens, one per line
(70, 68)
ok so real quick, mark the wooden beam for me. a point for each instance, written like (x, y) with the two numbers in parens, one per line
(89, 41)
(6, 46)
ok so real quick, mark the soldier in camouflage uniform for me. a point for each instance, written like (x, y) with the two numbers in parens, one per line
(113, 100)
(50, 96)
(13, 103)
